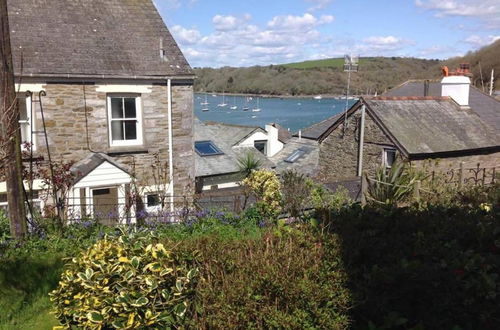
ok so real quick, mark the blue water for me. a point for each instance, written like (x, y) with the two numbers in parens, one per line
(292, 113)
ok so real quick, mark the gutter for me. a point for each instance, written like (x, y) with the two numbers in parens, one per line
(170, 144)
(105, 76)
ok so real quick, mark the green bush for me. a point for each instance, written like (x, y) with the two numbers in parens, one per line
(290, 278)
(4, 227)
(127, 282)
(432, 268)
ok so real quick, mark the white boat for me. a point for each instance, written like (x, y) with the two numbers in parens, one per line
(204, 109)
(254, 117)
(205, 102)
(318, 97)
(257, 109)
(223, 104)
(234, 106)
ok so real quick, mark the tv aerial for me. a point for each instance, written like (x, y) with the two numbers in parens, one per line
(351, 64)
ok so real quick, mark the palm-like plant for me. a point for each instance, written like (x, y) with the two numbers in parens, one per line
(391, 186)
(248, 163)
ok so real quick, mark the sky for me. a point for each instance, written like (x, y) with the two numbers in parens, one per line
(238, 33)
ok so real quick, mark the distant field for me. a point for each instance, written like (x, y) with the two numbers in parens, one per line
(326, 63)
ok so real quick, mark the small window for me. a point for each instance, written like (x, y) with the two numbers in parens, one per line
(125, 126)
(153, 200)
(25, 120)
(207, 148)
(389, 157)
(295, 156)
(260, 145)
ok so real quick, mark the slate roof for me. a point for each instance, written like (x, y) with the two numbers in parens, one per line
(487, 107)
(225, 137)
(432, 125)
(82, 168)
(307, 164)
(315, 131)
(353, 187)
(114, 38)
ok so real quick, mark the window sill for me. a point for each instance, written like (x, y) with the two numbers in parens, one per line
(123, 150)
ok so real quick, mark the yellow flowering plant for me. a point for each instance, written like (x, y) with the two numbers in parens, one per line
(265, 186)
(125, 282)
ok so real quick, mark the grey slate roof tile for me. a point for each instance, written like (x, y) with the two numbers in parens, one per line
(488, 108)
(307, 164)
(225, 137)
(433, 125)
(92, 37)
(315, 131)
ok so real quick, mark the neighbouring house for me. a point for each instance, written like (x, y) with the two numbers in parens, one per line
(117, 99)
(451, 123)
(219, 146)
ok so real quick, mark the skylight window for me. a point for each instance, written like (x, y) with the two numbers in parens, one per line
(295, 156)
(206, 148)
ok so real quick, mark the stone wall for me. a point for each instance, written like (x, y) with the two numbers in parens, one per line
(67, 132)
(338, 157)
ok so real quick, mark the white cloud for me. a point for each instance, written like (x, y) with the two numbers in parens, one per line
(224, 23)
(480, 41)
(290, 22)
(238, 41)
(382, 45)
(487, 11)
(319, 4)
(185, 36)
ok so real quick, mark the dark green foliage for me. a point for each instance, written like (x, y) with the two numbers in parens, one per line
(436, 268)
(316, 77)
(248, 162)
(289, 279)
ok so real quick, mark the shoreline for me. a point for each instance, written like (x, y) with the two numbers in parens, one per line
(325, 96)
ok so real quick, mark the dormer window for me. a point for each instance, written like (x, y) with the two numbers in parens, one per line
(125, 120)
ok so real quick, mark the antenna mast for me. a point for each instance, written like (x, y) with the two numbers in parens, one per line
(351, 64)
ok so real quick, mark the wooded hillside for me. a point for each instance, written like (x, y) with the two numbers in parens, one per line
(376, 74)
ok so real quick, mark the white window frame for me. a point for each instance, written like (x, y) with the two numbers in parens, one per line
(138, 118)
(384, 156)
(29, 120)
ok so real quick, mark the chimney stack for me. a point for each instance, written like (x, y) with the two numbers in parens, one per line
(456, 87)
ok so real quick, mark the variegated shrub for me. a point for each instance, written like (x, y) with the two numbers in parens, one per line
(125, 282)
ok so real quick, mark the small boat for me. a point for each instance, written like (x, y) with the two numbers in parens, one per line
(234, 106)
(257, 109)
(246, 108)
(204, 109)
(318, 97)
(223, 104)
(254, 117)
(214, 95)
(205, 102)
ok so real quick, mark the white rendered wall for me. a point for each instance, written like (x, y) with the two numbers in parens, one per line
(456, 87)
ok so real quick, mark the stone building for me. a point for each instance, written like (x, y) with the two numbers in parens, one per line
(450, 126)
(117, 99)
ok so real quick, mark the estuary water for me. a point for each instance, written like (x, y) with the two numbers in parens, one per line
(292, 113)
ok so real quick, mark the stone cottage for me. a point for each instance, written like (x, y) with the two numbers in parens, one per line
(457, 124)
(104, 84)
